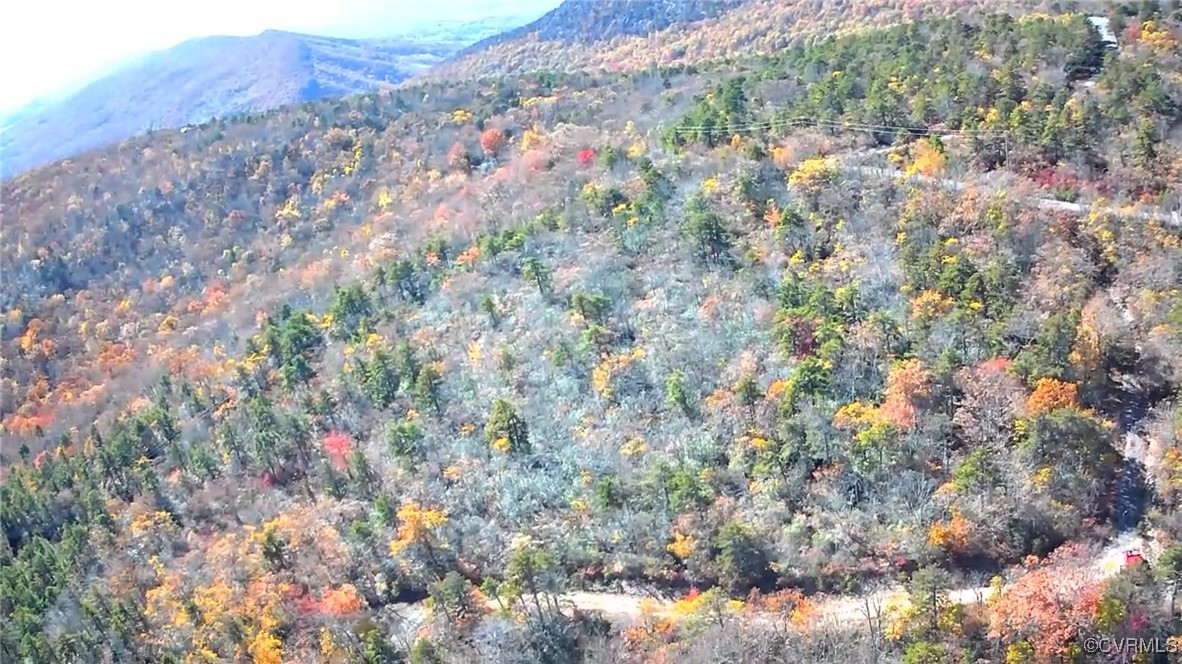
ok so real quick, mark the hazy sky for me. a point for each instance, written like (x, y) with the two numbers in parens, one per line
(47, 44)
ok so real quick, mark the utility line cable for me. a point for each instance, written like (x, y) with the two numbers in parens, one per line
(850, 126)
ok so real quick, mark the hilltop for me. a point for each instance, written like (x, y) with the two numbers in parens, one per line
(815, 347)
(588, 23)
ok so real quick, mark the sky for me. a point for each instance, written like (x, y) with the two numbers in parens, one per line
(48, 44)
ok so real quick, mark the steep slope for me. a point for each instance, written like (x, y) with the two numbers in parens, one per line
(636, 34)
(204, 78)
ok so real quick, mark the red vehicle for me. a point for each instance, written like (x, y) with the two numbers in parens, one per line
(1132, 557)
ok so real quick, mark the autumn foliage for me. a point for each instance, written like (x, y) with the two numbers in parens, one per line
(1048, 607)
(337, 447)
(342, 601)
(1051, 394)
(908, 385)
(492, 140)
(268, 384)
(927, 159)
(952, 535)
(416, 525)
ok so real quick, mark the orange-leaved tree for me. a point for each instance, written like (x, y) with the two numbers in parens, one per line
(1045, 610)
(1051, 394)
(491, 141)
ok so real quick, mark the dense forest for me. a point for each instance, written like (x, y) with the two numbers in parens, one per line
(632, 35)
(801, 346)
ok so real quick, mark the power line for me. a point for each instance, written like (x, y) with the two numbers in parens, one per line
(834, 124)
(767, 124)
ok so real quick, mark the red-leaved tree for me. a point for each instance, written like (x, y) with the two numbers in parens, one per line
(337, 447)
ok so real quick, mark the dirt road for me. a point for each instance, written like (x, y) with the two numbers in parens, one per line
(624, 609)
(849, 611)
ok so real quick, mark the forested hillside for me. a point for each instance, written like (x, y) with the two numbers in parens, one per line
(409, 376)
(631, 35)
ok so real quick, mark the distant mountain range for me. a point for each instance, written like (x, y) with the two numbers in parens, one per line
(218, 77)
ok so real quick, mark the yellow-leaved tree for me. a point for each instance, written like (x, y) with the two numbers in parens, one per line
(416, 523)
(927, 158)
(266, 648)
(812, 174)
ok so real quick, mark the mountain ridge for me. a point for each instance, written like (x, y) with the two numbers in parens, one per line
(571, 21)
(207, 77)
